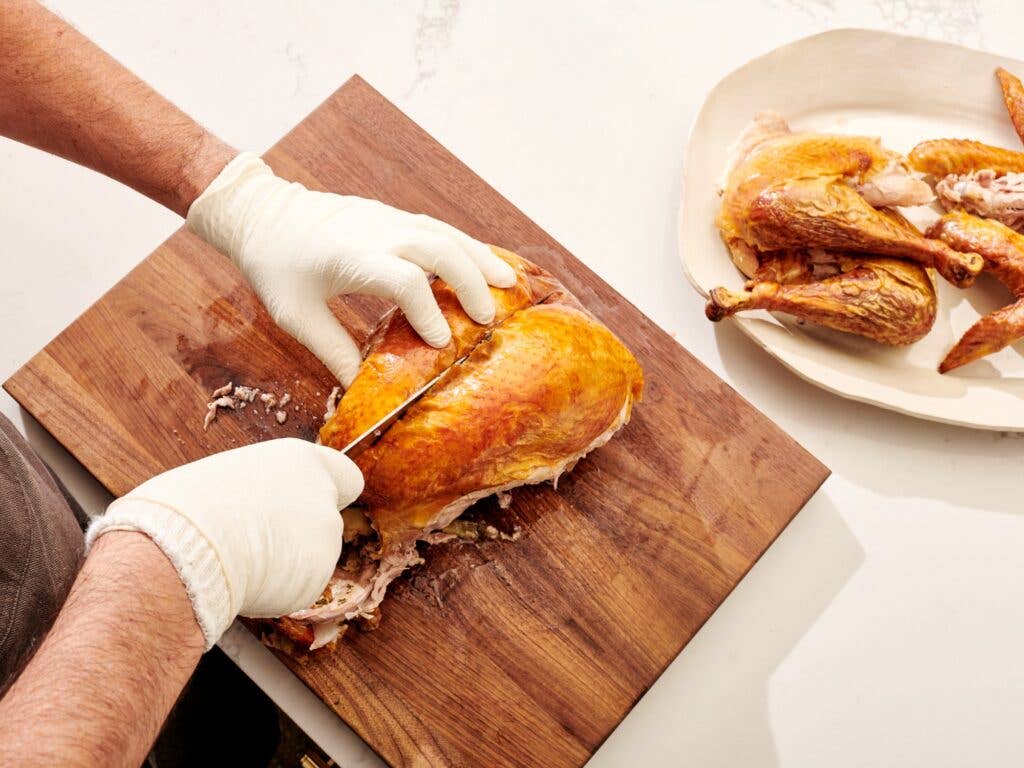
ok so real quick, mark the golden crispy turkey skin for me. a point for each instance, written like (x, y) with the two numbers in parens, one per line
(538, 393)
(543, 385)
(800, 190)
(399, 362)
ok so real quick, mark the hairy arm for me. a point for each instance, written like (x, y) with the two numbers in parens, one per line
(62, 94)
(107, 674)
(59, 92)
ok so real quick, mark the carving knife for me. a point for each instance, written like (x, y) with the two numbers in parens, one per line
(374, 433)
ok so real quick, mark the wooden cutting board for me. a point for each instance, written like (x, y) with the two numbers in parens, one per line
(526, 653)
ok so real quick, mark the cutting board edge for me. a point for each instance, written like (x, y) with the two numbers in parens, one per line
(827, 474)
(292, 664)
(12, 386)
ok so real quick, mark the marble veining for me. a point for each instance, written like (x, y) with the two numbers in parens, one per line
(434, 25)
(953, 21)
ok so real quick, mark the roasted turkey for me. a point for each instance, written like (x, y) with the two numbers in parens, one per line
(789, 190)
(539, 388)
(811, 219)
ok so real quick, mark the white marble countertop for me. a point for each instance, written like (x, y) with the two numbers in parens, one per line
(885, 625)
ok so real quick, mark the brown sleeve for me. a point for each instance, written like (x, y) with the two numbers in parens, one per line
(40, 551)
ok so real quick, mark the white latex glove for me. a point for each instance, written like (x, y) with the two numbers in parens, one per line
(254, 531)
(299, 248)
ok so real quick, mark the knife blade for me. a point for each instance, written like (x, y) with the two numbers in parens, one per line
(374, 433)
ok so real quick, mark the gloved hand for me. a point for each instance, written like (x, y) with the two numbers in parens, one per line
(254, 531)
(298, 248)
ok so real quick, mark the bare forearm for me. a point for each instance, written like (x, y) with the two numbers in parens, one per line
(61, 93)
(108, 673)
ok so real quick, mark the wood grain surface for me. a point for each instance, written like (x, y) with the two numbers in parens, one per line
(525, 653)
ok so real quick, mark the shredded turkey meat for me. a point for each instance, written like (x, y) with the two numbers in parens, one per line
(986, 194)
(238, 398)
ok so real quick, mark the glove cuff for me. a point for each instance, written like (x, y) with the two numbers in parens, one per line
(219, 214)
(191, 554)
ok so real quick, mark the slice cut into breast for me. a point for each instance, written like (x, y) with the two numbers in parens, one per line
(541, 387)
(397, 362)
